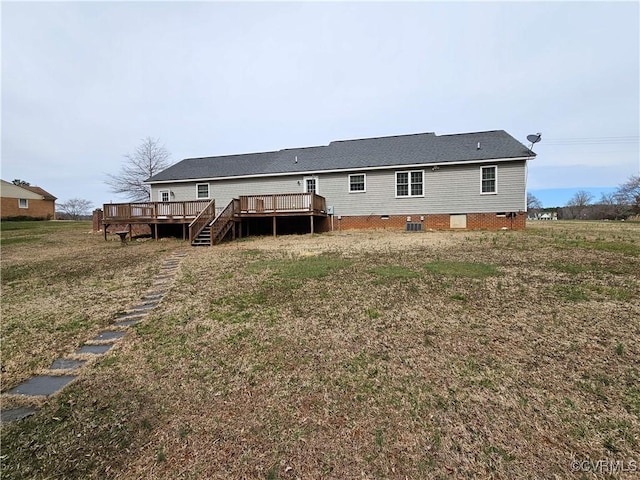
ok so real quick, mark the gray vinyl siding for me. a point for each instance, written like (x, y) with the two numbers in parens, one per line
(450, 189)
(223, 191)
(447, 190)
(457, 189)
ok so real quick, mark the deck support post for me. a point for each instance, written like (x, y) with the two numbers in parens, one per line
(311, 217)
(184, 232)
(156, 231)
(274, 225)
(130, 233)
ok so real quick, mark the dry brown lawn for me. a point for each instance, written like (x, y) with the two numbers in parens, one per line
(370, 354)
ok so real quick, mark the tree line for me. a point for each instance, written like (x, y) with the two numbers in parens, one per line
(623, 203)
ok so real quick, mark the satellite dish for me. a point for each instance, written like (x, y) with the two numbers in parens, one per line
(534, 139)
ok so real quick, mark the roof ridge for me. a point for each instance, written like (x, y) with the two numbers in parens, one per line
(385, 136)
(228, 155)
(470, 133)
(303, 148)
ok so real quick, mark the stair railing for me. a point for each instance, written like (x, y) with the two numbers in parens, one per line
(202, 220)
(220, 225)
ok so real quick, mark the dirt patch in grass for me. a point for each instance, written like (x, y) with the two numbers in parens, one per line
(347, 356)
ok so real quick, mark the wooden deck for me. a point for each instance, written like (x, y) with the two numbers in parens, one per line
(153, 212)
(197, 214)
(282, 204)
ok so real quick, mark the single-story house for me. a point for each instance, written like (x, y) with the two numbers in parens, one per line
(413, 182)
(471, 180)
(25, 201)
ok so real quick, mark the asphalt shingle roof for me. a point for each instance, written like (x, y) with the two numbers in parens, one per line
(401, 150)
(35, 189)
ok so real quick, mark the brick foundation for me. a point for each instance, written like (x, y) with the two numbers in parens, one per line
(475, 221)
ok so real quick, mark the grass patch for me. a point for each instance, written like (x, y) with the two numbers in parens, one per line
(571, 293)
(301, 268)
(619, 247)
(571, 268)
(393, 272)
(16, 240)
(372, 313)
(462, 269)
(613, 293)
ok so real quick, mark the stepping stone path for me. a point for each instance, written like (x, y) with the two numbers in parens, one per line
(62, 370)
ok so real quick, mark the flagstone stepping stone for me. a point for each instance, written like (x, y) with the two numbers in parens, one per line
(130, 316)
(42, 385)
(108, 335)
(143, 307)
(94, 349)
(15, 414)
(66, 364)
(159, 293)
(128, 323)
(154, 296)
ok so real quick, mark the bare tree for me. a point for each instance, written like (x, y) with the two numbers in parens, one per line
(578, 202)
(21, 183)
(150, 158)
(533, 203)
(581, 198)
(606, 207)
(628, 195)
(75, 208)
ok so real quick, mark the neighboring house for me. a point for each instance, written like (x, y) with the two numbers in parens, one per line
(26, 201)
(420, 181)
(543, 216)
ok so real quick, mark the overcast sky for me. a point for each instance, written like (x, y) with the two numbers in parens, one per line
(84, 83)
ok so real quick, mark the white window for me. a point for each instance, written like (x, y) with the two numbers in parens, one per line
(410, 184)
(202, 190)
(357, 183)
(310, 184)
(23, 203)
(163, 195)
(489, 179)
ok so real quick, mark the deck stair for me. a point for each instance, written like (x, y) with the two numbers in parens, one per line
(223, 223)
(200, 227)
(203, 238)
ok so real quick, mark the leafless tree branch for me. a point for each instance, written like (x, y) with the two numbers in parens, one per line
(75, 207)
(150, 158)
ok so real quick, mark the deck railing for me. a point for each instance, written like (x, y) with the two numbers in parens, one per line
(224, 221)
(114, 212)
(282, 203)
(201, 221)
